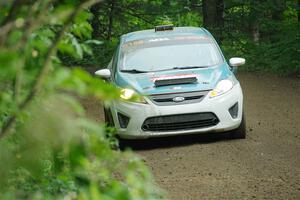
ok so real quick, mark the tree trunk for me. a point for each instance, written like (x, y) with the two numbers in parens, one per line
(111, 19)
(255, 32)
(277, 13)
(97, 33)
(213, 12)
(254, 18)
(298, 10)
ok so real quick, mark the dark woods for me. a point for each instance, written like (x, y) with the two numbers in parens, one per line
(258, 30)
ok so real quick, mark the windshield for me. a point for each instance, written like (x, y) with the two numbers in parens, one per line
(166, 54)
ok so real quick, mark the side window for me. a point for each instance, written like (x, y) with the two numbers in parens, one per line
(114, 63)
(109, 66)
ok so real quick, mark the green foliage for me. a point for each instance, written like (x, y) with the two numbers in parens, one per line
(52, 151)
(280, 56)
(66, 155)
(278, 48)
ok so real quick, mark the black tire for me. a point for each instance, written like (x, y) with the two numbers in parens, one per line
(123, 144)
(108, 117)
(240, 132)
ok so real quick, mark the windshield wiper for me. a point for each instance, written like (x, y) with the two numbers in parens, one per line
(136, 71)
(180, 68)
(133, 71)
(190, 67)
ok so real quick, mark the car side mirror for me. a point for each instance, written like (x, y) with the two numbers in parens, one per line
(235, 62)
(103, 73)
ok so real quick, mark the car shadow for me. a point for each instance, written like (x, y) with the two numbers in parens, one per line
(173, 141)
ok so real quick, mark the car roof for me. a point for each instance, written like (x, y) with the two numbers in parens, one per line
(177, 31)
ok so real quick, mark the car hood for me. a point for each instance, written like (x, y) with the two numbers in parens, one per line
(143, 83)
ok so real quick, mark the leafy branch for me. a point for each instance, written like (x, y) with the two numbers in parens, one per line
(46, 66)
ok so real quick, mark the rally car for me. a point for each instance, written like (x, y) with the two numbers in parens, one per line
(173, 81)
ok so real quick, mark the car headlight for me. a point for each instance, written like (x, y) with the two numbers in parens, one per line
(222, 87)
(130, 95)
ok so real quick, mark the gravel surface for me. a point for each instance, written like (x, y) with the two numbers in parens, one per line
(266, 165)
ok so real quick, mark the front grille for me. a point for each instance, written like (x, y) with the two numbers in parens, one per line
(180, 122)
(167, 99)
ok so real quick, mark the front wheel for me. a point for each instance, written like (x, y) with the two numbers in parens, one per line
(240, 132)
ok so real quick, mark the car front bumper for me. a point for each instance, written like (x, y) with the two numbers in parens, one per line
(138, 113)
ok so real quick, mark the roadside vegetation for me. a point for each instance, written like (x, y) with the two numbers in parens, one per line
(48, 147)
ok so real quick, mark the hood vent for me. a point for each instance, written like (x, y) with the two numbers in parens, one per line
(177, 81)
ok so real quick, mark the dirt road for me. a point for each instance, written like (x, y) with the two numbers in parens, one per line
(266, 165)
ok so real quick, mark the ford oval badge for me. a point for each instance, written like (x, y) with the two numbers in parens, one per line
(178, 99)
